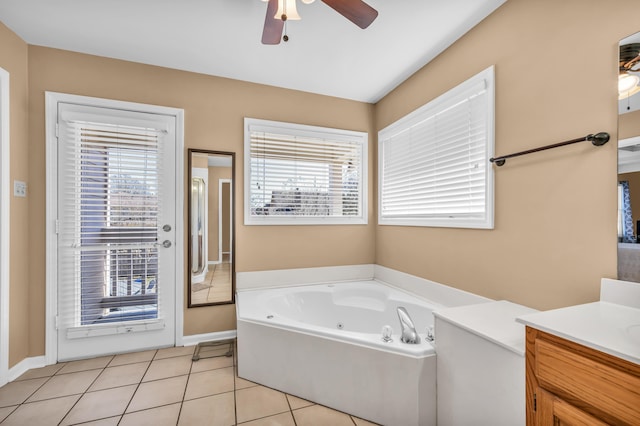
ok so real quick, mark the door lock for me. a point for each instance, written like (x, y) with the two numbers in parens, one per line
(166, 228)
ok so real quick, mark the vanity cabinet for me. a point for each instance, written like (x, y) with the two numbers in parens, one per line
(570, 384)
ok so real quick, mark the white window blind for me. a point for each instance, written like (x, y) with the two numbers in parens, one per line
(110, 177)
(298, 174)
(434, 163)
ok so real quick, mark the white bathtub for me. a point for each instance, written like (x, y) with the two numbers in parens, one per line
(323, 342)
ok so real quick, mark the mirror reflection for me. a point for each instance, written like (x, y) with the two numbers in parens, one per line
(629, 159)
(211, 227)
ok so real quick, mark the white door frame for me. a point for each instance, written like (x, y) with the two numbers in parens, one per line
(220, 207)
(51, 103)
(202, 173)
(5, 253)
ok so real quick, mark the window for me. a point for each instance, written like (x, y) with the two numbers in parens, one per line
(111, 208)
(297, 174)
(620, 211)
(433, 164)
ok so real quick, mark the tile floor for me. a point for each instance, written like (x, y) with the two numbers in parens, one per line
(156, 387)
(216, 286)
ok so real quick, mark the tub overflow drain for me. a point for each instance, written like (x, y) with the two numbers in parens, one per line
(340, 326)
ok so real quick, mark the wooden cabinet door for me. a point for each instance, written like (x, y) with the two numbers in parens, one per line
(553, 411)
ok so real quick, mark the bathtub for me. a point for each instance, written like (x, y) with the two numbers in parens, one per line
(323, 342)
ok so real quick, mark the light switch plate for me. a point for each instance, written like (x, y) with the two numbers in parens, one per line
(19, 188)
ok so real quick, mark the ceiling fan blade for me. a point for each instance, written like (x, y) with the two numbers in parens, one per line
(272, 31)
(356, 11)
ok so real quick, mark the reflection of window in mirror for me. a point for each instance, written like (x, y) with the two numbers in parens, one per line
(626, 229)
(620, 212)
(211, 228)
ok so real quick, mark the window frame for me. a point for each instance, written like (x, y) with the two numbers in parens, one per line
(311, 131)
(425, 111)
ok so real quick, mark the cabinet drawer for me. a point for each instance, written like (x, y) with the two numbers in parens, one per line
(554, 411)
(591, 383)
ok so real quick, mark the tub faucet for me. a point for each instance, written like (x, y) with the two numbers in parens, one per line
(409, 333)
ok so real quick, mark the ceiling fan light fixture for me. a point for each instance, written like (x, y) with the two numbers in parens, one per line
(287, 11)
(627, 85)
(308, 1)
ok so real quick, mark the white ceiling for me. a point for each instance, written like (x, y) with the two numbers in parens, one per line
(326, 53)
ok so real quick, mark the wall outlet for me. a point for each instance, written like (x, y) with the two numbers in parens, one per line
(19, 188)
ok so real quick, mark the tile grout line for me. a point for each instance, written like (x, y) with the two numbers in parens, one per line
(85, 391)
(137, 387)
(263, 417)
(186, 386)
(32, 393)
(291, 410)
(10, 413)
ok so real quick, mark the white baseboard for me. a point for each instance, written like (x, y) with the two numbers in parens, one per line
(208, 337)
(26, 364)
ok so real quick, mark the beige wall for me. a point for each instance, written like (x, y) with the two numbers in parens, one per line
(629, 123)
(14, 60)
(555, 211)
(214, 111)
(199, 161)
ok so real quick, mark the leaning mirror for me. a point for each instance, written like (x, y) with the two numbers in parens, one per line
(629, 159)
(211, 227)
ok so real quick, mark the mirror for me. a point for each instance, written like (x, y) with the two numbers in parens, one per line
(629, 159)
(211, 225)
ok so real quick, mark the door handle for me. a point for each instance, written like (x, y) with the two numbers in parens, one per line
(165, 244)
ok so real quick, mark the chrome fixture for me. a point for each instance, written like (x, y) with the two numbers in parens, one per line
(387, 332)
(409, 333)
(430, 334)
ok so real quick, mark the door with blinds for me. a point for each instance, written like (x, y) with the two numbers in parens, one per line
(115, 230)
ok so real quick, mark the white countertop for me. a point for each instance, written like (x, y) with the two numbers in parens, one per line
(607, 327)
(494, 321)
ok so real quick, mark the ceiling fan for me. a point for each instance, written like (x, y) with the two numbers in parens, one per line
(628, 83)
(278, 11)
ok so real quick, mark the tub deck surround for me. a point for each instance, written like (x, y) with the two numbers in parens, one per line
(323, 342)
(302, 276)
(492, 321)
(317, 333)
(485, 380)
(353, 312)
(436, 293)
